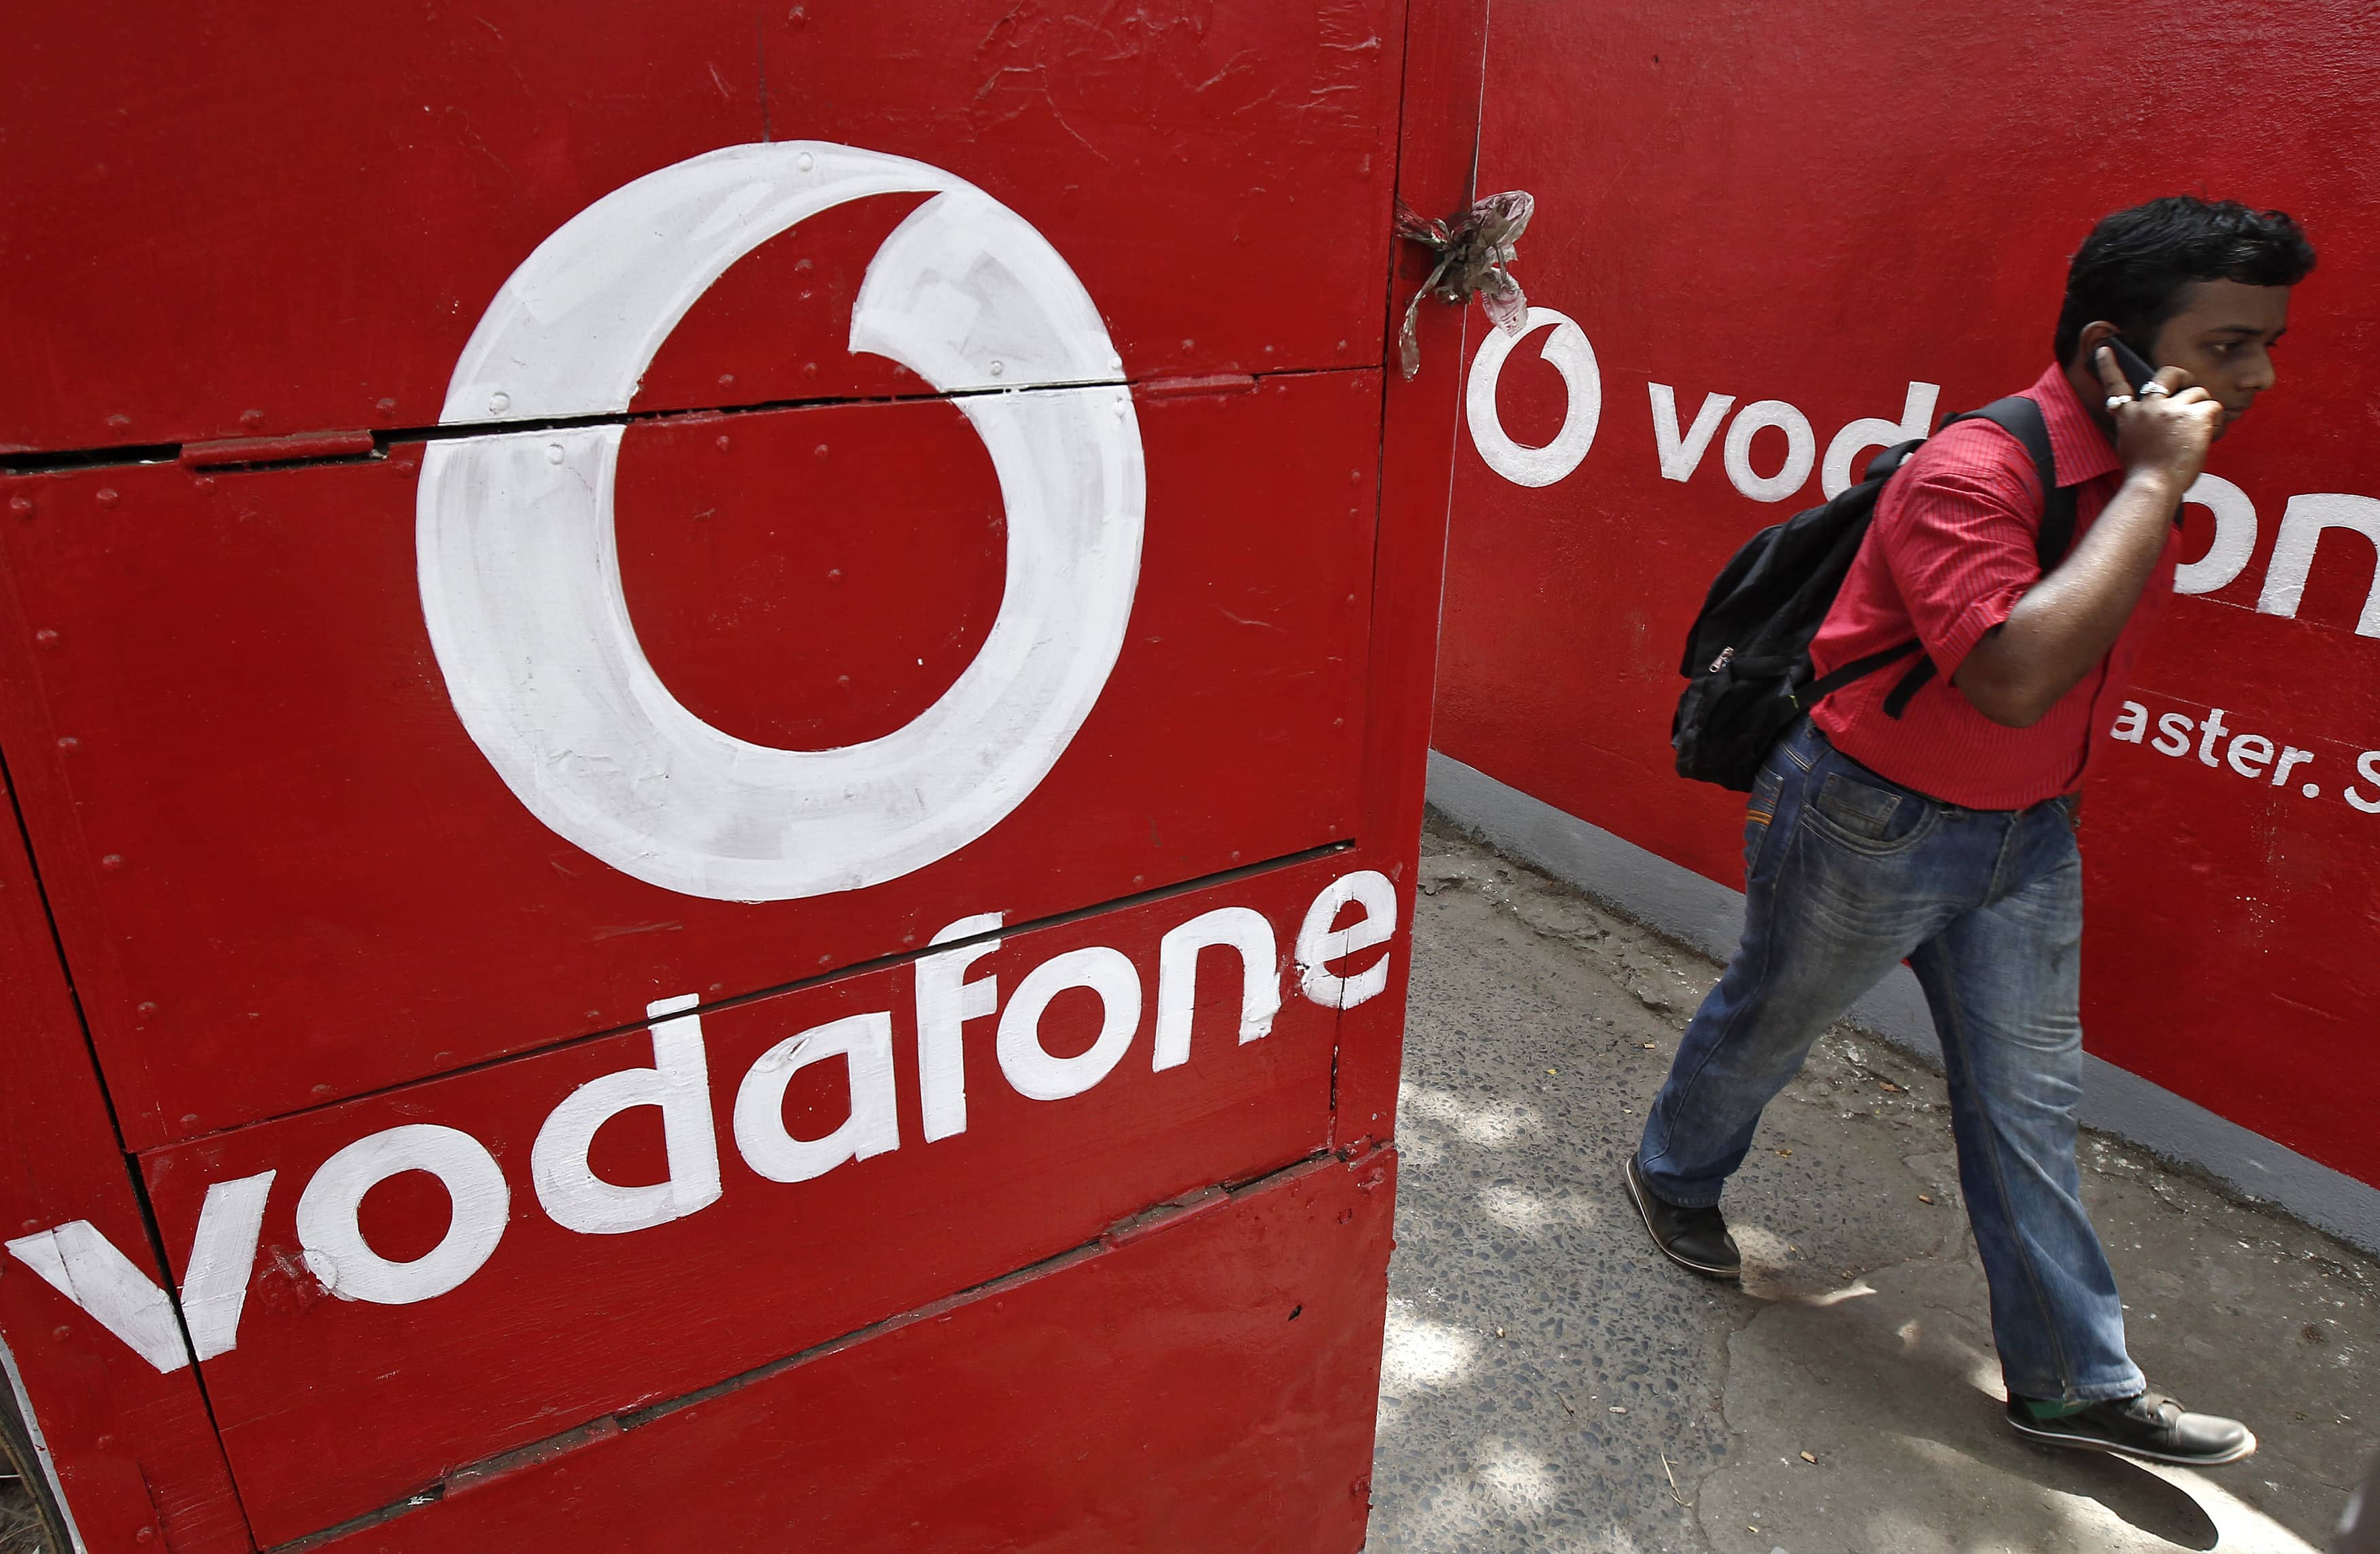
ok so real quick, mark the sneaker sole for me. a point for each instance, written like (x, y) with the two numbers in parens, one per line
(1636, 1197)
(2042, 1431)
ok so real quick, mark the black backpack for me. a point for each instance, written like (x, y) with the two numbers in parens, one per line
(1747, 663)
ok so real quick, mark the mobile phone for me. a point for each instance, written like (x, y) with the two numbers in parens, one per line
(2136, 371)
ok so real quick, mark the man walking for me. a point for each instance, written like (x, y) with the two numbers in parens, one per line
(1945, 834)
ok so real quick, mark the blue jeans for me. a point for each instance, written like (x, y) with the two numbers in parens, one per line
(1847, 875)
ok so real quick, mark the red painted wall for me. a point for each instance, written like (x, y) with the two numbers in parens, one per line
(297, 1242)
(1823, 205)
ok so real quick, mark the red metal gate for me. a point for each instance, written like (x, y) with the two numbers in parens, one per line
(720, 728)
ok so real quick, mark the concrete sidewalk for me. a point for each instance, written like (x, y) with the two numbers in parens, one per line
(1550, 1377)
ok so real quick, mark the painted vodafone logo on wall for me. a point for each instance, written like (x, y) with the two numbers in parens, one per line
(1567, 349)
(1679, 446)
(520, 573)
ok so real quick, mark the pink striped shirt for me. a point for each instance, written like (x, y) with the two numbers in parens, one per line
(1949, 553)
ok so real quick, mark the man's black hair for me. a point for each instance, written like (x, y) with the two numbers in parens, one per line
(2130, 271)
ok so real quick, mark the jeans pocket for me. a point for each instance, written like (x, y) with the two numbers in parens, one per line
(1869, 818)
(1760, 815)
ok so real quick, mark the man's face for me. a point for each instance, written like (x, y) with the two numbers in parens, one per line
(2223, 337)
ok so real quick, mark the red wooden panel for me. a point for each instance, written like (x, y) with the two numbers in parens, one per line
(304, 912)
(391, 1388)
(1772, 215)
(1439, 140)
(133, 1446)
(1205, 1388)
(286, 875)
(225, 225)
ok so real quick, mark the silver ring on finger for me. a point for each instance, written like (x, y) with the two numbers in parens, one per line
(2117, 402)
(2152, 387)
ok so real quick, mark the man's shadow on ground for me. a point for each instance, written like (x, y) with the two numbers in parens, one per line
(1901, 1364)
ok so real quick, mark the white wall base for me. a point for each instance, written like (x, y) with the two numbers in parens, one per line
(1709, 916)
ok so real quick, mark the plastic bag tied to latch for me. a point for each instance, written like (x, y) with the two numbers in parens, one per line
(1473, 246)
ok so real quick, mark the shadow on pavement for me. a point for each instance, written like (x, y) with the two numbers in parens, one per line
(1548, 1377)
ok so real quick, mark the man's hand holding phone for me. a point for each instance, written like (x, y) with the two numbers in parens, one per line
(2067, 623)
(2164, 422)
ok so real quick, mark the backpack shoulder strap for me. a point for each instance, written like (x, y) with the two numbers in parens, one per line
(2021, 418)
(1859, 668)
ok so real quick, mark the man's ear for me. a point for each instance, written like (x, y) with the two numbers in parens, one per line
(2095, 334)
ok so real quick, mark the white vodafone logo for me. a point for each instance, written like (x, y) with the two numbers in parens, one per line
(1567, 349)
(520, 573)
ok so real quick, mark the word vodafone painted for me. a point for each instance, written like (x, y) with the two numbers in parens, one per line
(79, 1261)
(520, 576)
(1762, 470)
